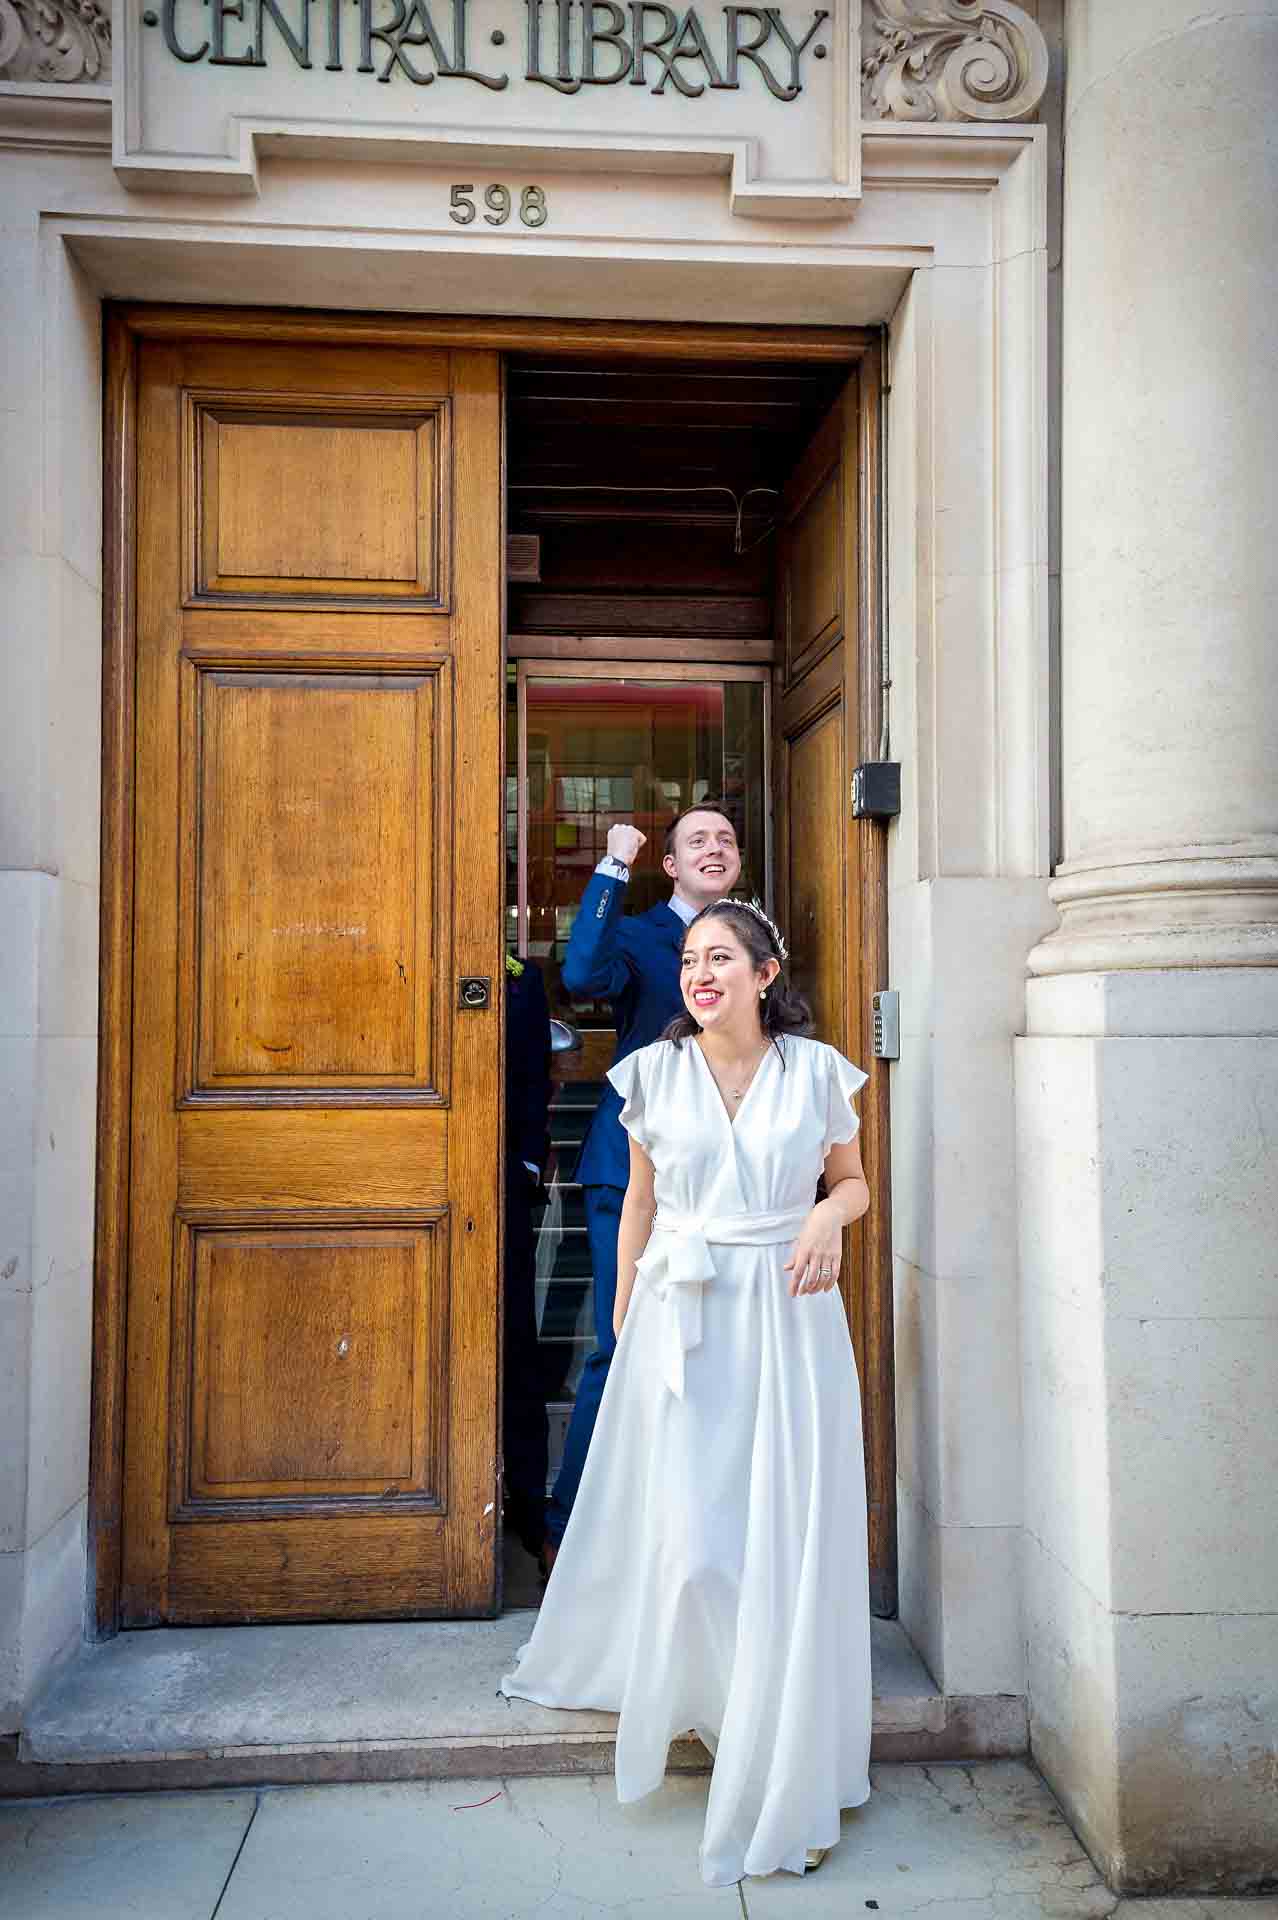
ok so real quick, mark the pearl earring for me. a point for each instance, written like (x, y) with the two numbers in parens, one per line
(763, 993)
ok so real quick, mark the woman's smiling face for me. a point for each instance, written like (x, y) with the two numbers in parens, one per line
(720, 981)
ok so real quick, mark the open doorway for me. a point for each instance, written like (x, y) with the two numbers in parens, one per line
(298, 1283)
(682, 624)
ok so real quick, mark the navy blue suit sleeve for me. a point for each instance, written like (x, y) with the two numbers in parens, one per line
(596, 964)
(527, 1066)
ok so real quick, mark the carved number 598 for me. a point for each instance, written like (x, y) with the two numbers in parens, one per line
(533, 210)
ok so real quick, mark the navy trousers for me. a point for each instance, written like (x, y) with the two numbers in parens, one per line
(603, 1217)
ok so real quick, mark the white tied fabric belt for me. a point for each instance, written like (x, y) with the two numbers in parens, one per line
(677, 1263)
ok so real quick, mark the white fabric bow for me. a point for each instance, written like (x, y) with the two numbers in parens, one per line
(677, 1264)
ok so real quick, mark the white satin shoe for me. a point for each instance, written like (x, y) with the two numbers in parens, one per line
(814, 1858)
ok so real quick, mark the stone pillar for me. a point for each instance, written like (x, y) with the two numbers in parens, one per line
(1147, 1084)
(1169, 489)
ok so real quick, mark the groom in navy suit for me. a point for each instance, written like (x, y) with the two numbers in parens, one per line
(632, 960)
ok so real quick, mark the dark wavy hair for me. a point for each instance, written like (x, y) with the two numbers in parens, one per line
(783, 1010)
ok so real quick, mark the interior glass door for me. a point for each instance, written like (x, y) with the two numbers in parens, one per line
(590, 745)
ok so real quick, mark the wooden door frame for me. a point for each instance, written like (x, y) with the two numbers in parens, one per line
(873, 685)
(125, 327)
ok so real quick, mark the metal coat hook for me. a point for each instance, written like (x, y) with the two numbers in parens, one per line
(771, 527)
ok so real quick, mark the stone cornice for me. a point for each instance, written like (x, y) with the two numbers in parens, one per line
(45, 119)
(950, 60)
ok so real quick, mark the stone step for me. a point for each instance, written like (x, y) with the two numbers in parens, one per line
(280, 1705)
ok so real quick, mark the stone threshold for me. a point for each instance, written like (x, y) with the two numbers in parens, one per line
(289, 1705)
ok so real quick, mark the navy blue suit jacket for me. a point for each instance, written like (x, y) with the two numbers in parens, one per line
(632, 960)
(527, 1065)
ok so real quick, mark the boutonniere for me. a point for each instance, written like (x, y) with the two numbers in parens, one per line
(514, 967)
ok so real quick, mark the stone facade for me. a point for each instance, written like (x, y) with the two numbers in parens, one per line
(1083, 882)
(1148, 1078)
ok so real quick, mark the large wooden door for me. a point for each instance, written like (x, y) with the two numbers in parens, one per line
(830, 876)
(310, 1423)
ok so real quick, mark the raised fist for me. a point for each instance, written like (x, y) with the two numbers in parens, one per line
(624, 842)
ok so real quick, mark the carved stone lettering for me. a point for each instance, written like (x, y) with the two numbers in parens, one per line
(645, 42)
(950, 60)
(762, 91)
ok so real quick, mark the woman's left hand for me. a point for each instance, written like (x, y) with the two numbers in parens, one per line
(814, 1265)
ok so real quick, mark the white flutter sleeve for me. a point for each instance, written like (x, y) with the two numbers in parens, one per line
(627, 1079)
(843, 1083)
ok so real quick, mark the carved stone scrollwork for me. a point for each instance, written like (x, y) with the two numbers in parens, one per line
(950, 60)
(56, 40)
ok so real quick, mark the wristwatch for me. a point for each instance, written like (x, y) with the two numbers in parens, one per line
(616, 869)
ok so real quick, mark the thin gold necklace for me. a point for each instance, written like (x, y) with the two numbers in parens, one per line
(739, 1093)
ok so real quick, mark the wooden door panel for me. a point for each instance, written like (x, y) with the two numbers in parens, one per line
(813, 574)
(383, 1571)
(299, 1364)
(323, 368)
(364, 1156)
(312, 1302)
(310, 880)
(224, 634)
(316, 499)
(819, 890)
(308, 1366)
(253, 463)
(815, 886)
(829, 882)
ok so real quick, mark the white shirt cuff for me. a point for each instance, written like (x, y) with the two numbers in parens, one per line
(614, 868)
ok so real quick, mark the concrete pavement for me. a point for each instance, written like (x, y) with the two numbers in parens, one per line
(959, 1841)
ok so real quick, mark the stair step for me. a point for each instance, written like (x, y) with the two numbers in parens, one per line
(238, 1706)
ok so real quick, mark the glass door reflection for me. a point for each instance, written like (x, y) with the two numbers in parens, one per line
(588, 747)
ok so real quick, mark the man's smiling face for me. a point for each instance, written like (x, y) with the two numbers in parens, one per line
(705, 861)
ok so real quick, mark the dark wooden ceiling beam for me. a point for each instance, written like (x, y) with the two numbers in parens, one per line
(576, 424)
(536, 412)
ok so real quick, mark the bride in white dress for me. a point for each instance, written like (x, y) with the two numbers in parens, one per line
(713, 1576)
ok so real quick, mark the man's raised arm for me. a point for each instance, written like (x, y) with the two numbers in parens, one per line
(594, 965)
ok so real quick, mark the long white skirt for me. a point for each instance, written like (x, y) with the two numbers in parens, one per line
(713, 1576)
